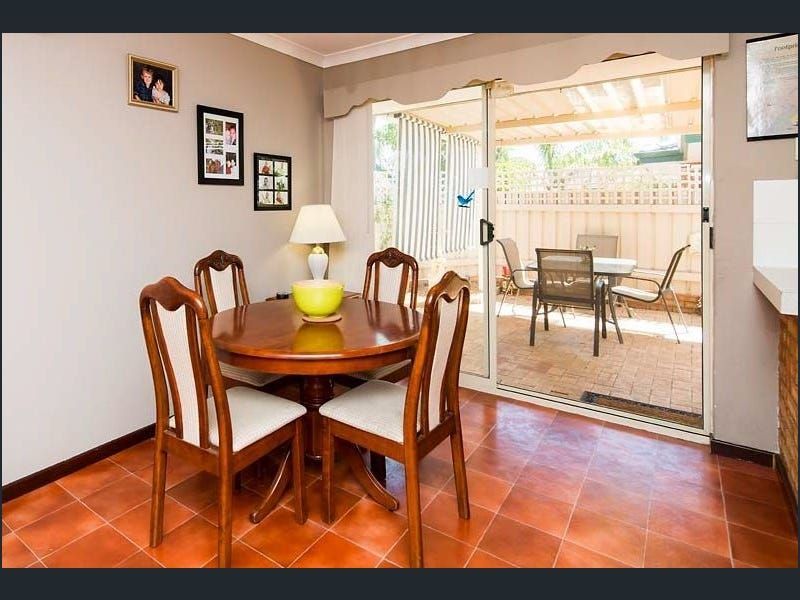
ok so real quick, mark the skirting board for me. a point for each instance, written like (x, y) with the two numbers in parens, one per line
(17, 488)
(50, 474)
(761, 457)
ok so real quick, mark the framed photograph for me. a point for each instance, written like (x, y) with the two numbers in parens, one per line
(272, 182)
(220, 144)
(772, 87)
(152, 83)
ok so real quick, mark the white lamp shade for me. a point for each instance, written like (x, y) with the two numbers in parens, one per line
(316, 224)
(478, 177)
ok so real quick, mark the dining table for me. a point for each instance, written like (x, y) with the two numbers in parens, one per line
(272, 337)
(602, 265)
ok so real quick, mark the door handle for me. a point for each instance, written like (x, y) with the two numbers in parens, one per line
(487, 232)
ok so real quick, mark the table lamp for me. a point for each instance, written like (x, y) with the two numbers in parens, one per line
(317, 224)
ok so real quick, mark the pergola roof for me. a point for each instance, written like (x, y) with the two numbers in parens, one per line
(641, 96)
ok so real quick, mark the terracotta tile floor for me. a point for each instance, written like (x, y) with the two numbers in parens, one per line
(547, 489)
(650, 367)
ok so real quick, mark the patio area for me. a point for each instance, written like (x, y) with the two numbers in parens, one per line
(648, 368)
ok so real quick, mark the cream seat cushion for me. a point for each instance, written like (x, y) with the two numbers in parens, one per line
(254, 378)
(381, 372)
(254, 415)
(631, 292)
(375, 407)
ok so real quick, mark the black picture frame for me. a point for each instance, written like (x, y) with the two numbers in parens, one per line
(754, 134)
(272, 182)
(218, 144)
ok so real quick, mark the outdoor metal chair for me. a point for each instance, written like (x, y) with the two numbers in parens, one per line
(517, 275)
(662, 288)
(566, 278)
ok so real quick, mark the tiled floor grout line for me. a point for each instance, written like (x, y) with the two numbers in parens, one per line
(438, 491)
(500, 505)
(647, 526)
(28, 548)
(577, 498)
(106, 522)
(103, 522)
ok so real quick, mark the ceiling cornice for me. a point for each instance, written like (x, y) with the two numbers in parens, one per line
(390, 46)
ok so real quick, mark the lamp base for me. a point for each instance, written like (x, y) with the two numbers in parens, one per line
(318, 262)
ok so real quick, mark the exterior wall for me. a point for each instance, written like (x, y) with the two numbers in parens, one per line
(648, 234)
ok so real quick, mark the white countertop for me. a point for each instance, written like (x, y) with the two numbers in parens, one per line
(779, 285)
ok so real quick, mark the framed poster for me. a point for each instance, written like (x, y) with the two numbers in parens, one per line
(272, 182)
(152, 83)
(772, 87)
(220, 141)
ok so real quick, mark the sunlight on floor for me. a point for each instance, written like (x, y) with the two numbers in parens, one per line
(649, 367)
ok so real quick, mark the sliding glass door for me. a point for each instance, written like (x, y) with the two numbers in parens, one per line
(431, 201)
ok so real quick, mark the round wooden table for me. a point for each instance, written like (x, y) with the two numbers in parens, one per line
(272, 337)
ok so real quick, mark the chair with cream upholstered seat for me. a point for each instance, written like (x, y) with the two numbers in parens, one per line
(662, 287)
(219, 279)
(221, 431)
(406, 424)
(391, 276)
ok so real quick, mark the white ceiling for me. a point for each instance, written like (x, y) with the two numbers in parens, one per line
(331, 49)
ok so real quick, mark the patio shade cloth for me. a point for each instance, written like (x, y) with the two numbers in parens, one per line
(460, 227)
(419, 168)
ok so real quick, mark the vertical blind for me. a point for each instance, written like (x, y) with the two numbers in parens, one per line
(429, 222)
(461, 225)
(419, 166)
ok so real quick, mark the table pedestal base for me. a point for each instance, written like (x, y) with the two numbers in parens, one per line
(315, 391)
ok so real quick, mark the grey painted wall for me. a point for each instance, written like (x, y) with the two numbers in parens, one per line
(101, 198)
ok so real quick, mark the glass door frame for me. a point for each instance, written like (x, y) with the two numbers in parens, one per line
(488, 256)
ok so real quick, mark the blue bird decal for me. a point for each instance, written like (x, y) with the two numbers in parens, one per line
(465, 202)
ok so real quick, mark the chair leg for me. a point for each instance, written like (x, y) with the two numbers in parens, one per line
(505, 293)
(596, 350)
(159, 490)
(328, 456)
(414, 514)
(225, 517)
(546, 320)
(603, 315)
(534, 315)
(460, 472)
(680, 311)
(298, 473)
(666, 308)
(561, 310)
(614, 317)
(631, 314)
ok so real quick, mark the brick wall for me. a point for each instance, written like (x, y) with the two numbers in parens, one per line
(787, 398)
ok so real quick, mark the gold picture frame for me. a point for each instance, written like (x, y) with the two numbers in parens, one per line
(160, 92)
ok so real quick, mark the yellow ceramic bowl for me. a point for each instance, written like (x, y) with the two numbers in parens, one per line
(318, 297)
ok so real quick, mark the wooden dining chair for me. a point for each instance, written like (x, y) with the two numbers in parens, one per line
(222, 432)
(391, 276)
(219, 279)
(406, 424)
